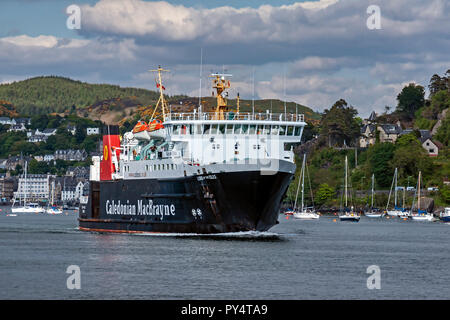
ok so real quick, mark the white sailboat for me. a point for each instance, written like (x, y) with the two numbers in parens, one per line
(421, 215)
(52, 209)
(27, 207)
(396, 212)
(304, 213)
(373, 213)
(348, 214)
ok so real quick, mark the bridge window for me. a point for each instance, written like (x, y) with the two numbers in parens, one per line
(244, 129)
(221, 129)
(191, 129)
(266, 129)
(298, 131)
(198, 129)
(252, 129)
(282, 130)
(229, 129)
(237, 129)
(290, 131)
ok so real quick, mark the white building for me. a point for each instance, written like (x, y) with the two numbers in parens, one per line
(91, 131)
(432, 147)
(35, 187)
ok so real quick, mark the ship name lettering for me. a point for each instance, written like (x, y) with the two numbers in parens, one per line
(150, 209)
(120, 208)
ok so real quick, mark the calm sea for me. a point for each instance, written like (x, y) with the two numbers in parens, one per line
(323, 259)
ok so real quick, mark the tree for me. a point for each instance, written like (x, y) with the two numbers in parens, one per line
(324, 193)
(379, 157)
(437, 84)
(410, 99)
(408, 165)
(339, 123)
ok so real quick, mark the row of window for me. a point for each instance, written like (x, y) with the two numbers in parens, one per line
(237, 129)
(155, 167)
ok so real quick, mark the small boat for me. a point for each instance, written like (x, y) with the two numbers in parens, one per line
(348, 214)
(374, 212)
(304, 213)
(445, 216)
(421, 215)
(11, 215)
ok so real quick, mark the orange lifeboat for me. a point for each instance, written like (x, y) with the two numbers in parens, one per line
(140, 126)
(155, 125)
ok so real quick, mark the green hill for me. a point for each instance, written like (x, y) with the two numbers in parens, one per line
(43, 95)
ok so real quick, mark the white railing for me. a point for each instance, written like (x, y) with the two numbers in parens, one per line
(261, 116)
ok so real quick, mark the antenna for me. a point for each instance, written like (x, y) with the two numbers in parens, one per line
(200, 91)
(253, 93)
(284, 90)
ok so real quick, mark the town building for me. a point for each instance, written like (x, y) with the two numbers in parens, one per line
(6, 188)
(431, 146)
(17, 128)
(35, 187)
(71, 155)
(91, 131)
(78, 172)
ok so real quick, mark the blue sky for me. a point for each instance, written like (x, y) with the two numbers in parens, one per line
(322, 48)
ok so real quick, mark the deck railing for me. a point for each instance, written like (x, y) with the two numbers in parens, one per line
(260, 116)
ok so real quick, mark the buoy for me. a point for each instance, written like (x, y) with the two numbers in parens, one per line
(334, 220)
(287, 217)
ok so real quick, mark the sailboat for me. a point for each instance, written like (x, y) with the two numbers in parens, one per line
(52, 209)
(397, 211)
(304, 213)
(421, 215)
(348, 214)
(374, 212)
(27, 207)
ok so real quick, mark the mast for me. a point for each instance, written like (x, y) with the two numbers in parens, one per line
(418, 192)
(395, 188)
(345, 181)
(300, 178)
(26, 185)
(200, 91)
(303, 180)
(373, 178)
(161, 101)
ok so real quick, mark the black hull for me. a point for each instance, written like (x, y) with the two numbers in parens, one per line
(211, 203)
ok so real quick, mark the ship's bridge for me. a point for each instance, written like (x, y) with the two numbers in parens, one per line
(204, 138)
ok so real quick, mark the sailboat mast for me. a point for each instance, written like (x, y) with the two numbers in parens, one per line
(346, 181)
(26, 185)
(298, 188)
(303, 179)
(395, 189)
(418, 193)
(373, 178)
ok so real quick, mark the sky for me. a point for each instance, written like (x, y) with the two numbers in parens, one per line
(310, 52)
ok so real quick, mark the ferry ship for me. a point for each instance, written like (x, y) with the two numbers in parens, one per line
(196, 172)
